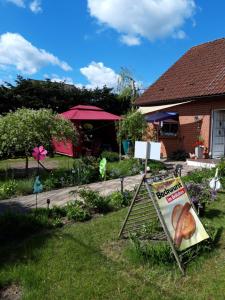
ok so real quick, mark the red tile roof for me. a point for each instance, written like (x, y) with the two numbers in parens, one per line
(200, 72)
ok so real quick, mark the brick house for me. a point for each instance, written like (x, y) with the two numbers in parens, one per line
(193, 89)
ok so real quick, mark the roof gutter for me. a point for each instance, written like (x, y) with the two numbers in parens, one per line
(178, 100)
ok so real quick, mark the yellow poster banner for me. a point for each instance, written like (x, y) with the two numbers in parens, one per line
(180, 218)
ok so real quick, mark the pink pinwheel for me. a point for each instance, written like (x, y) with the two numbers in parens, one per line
(39, 153)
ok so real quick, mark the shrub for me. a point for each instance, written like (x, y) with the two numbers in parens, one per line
(57, 212)
(125, 167)
(110, 156)
(51, 182)
(85, 170)
(77, 211)
(57, 222)
(8, 189)
(179, 155)
(25, 186)
(118, 200)
(127, 197)
(133, 126)
(198, 176)
(200, 193)
(155, 166)
(95, 202)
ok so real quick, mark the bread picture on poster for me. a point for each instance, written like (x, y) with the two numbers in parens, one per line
(183, 223)
(180, 218)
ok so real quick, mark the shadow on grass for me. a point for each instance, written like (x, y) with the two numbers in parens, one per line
(17, 230)
(20, 173)
(213, 213)
(10, 206)
(104, 259)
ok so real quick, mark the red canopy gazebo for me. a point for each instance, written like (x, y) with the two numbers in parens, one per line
(79, 115)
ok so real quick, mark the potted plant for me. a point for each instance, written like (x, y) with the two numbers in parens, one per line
(199, 147)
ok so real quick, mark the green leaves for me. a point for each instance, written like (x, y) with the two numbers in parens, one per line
(133, 126)
(24, 129)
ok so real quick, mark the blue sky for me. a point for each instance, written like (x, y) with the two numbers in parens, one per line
(86, 42)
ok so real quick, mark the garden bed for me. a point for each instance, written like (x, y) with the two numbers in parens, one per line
(67, 172)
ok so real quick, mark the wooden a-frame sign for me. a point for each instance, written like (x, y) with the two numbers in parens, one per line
(145, 209)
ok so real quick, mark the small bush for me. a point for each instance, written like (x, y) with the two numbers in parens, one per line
(179, 155)
(25, 187)
(198, 176)
(57, 212)
(127, 197)
(116, 200)
(8, 189)
(77, 211)
(85, 170)
(96, 202)
(125, 167)
(110, 156)
(57, 222)
(200, 193)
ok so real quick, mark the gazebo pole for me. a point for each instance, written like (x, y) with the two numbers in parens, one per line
(120, 148)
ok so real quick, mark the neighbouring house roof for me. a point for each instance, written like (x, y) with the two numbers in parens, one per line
(200, 72)
(88, 112)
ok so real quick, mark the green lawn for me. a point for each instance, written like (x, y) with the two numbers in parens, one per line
(86, 261)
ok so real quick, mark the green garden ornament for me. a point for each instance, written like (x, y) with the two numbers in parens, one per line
(102, 167)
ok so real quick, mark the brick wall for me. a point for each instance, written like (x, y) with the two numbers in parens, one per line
(188, 129)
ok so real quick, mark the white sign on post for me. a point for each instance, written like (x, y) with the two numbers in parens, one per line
(149, 150)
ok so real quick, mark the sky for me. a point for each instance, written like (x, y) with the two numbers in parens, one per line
(87, 42)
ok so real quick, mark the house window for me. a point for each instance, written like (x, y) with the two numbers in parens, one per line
(169, 128)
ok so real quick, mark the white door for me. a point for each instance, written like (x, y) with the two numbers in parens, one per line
(218, 138)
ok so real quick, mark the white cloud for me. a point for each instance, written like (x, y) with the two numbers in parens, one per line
(150, 19)
(67, 80)
(98, 75)
(16, 51)
(179, 35)
(130, 40)
(19, 3)
(35, 6)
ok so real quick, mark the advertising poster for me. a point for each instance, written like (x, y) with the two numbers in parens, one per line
(182, 222)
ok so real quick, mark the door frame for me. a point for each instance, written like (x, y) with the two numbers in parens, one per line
(211, 129)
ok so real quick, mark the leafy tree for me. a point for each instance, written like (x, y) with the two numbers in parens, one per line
(22, 130)
(127, 86)
(133, 126)
(58, 96)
